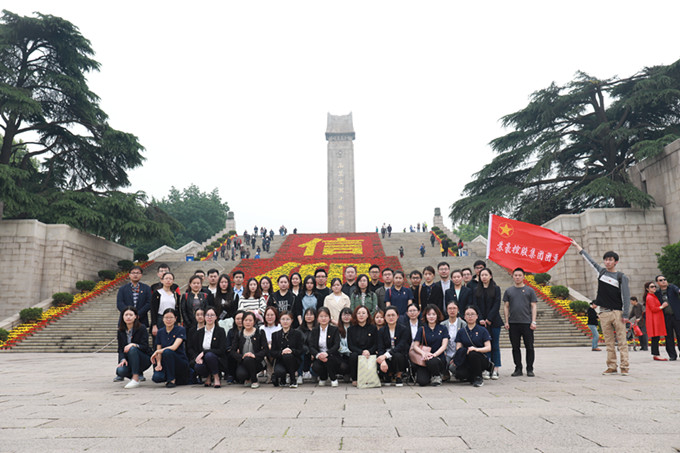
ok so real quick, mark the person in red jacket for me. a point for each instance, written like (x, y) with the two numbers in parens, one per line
(656, 326)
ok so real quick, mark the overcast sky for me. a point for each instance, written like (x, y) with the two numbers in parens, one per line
(234, 95)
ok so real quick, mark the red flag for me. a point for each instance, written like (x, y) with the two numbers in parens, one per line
(518, 244)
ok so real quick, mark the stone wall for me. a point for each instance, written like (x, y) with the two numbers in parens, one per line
(635, 234)
(39, 260)
(659, 177)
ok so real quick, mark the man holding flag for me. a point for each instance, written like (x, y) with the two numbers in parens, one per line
(514, 244)
(613, 298)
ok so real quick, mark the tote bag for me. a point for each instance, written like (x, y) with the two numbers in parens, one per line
(367, 372)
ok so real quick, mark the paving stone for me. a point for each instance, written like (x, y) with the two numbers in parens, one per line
(565, 408)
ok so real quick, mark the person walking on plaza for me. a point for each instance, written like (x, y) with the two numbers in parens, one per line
(592, 325)
(669, 295)
(519, 306)
(656, 325)
(613, 298)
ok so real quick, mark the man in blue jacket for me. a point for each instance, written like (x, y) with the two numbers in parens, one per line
(135, 294)
(670, 293)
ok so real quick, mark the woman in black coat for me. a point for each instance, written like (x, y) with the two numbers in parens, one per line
(325, 357)
(232, 339)
(249, 351)
(394, 341)
(134, 353)
(212, 354)
(488, 301)
(226, 302)
(192, 300)
(286, 350)
(362, 339)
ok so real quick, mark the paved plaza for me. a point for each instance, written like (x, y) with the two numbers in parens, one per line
(67, 402)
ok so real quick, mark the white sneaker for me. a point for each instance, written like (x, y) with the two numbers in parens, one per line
(299, 380)
(132, 384)
(486, 375)
(255, 385)
(494, 375)
(334, 383)
(322, 382)
(307, 375)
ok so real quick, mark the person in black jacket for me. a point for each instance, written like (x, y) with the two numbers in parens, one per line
(226, 302)
(232, 337)
(193, 299)
(488, 301)
(162, 299)
(284, 299)
(308, 323)
(394, 341)
(133, 348)
(250, 351)
(362, 339)
(287, 347)
(212, 355)
(458, 292)
(324, 342)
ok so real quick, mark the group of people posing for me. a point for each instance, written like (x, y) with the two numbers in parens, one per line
(308, 330)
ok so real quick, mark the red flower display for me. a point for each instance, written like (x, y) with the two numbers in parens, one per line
(304, 253)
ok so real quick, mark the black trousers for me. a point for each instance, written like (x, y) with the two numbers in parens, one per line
(210, 365)
(397, 363)
(343, 365)
(655, 345)
(672, 332)
(475, 363)
(326, 370)
(433, 367)
(248, 368)
(524, 332)
(287, 364)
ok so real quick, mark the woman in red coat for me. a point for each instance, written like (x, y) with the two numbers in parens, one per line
(656, 326)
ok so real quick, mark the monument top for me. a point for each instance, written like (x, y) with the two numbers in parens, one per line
(340, 125)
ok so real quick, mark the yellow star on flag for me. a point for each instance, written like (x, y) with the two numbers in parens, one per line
(505, 230)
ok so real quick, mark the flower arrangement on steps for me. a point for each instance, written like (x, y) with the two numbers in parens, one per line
(560, 305)
(304, 253)
(52, 314)
(435, 232)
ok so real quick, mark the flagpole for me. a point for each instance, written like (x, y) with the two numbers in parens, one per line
(488, 240)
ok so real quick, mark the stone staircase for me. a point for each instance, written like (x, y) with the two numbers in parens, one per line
(92, 328)
(553, 330)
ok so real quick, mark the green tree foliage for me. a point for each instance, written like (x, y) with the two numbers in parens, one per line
(60, 161)
(571, 146)
(468, 232)
(669, 262)
(201, 214)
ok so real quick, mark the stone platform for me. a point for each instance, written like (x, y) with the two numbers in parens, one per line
(67, 402)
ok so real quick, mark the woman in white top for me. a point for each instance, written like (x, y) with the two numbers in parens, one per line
(211, 341)
(271, 325)
(336, 301)
(252, 299)
(412, 321)
(161, 300)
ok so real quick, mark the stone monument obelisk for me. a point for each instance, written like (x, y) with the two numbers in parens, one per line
(341, 211)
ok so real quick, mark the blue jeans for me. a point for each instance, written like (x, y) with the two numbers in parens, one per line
(137, 363)
(495, 354)
(175, 368)
(596, 335)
